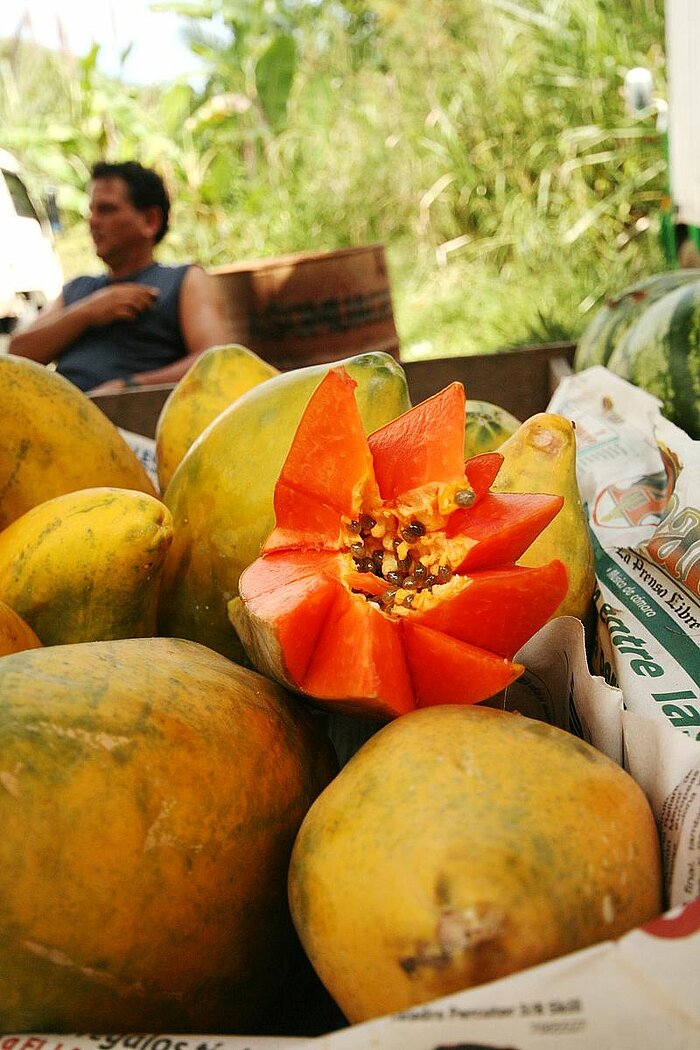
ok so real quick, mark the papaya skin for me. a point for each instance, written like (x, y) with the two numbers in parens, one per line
(15, 633)
(221, 495)
(541, 457)
(486, 427)
(87, 565)
(55, 440)
(151, 791)
(463, 844)
(216, 379)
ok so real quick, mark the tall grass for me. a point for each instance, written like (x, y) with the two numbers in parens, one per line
(485, 143)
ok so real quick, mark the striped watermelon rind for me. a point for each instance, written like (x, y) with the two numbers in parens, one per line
(661, 354)
(486, 427)
(613, 320)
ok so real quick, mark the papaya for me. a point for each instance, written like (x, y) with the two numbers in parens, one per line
(541, 457)
(487, 426)
(151, 793)
(55, 440)
(87, 565)
(463, 844)
(389, 580)
(15, 633)
(221, 495)
(217, 378)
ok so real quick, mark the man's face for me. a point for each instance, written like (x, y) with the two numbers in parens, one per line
(118, 228)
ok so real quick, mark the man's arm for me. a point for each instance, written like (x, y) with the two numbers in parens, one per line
(58, 325)
(203, 324)
(203, 317)
(55, 328)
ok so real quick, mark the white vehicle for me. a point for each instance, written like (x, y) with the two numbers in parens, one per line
(30, 270)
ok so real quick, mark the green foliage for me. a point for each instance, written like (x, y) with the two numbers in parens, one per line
(485, 143)
(274, 73)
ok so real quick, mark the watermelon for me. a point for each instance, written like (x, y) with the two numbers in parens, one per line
(486, 427)
(617, 315)
(661, 354)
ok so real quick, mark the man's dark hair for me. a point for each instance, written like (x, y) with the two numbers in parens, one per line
(144, 186)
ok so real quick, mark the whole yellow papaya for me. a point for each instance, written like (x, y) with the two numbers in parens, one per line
(221, 495)
(87, 565)
(541, 457)
(55, 440)
(15, 633)
(461, 844)
(217, 378)
(151, 792)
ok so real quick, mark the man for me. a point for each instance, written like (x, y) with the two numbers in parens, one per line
(140, 323)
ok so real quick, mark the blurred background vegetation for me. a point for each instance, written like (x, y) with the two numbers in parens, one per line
(485, 143)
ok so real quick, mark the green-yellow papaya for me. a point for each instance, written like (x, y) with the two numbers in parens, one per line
(461, 844)
(541, 457)
(151, 792)
(221, 495)
(87, 565)
(217, 378)
(487, 426)
(55, 440)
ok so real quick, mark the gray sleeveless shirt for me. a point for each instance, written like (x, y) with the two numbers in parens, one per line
(118, 350)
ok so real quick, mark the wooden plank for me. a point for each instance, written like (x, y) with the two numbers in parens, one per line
(520, 381)
(136, 409)
(517, 380)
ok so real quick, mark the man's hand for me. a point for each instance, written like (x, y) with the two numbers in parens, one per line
(110, 386)
(58, 325)
(120, 302)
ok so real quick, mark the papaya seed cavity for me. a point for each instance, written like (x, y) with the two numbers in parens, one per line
(398, 552)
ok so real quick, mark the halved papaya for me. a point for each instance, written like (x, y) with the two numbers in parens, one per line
(391, 565)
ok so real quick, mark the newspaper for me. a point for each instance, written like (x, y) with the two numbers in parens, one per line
(145, 450)
(639, 477)
(635, 993)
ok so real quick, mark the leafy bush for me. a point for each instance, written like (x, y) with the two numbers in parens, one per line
(485, 143)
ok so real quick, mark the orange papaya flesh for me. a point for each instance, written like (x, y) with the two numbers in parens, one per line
(317, 524)
(501, 526)
(359, 663)
(337, 646)
(422, 445)
(372, 539)
(498, 609)
(442, 667)
(287, 566)
(318, 483)
(320, 619)
(481, 472)
(300, 611)
(366, 583)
